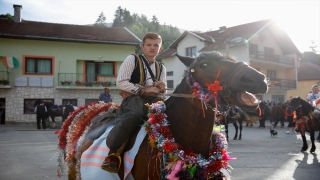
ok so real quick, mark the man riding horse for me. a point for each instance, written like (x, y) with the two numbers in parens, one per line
(140, 79)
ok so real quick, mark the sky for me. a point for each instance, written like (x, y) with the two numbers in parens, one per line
(299, 18)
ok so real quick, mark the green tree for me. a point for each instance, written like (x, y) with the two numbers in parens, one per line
(9, 16)
(101, 21)
(118, 17)
(155, 23)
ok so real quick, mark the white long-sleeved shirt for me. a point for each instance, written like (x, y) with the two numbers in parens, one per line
(125, 72)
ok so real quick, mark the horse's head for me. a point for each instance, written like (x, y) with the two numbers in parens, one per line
(294, 105)
(316, 112)
(239, 80)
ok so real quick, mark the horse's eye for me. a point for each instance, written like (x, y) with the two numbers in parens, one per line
(203, 65)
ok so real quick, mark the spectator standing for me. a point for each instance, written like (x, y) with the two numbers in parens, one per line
(41, 110)
(105, 96)
(2, 108)
(291, 124)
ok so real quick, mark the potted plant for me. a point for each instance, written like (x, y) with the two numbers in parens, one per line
(96, 84)
(65, 83)
(105, 84)
(5, 82)
(79, 83)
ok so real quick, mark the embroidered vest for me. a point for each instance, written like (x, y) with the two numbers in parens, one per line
(138, 75)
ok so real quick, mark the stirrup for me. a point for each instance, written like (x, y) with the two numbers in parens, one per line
(105, 166)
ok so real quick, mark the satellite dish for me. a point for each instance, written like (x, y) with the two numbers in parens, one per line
(236, 40)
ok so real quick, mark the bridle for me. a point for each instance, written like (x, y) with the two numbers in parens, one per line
(226, 92)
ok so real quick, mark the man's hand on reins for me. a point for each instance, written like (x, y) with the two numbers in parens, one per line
(150, 91)
(160, 85)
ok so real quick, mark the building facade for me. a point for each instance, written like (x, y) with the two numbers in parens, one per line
(58, 63)
(263, 45)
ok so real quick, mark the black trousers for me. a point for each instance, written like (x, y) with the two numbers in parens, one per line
(43, 119)
(131, 113)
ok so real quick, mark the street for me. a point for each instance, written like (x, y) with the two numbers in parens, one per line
(29, 154)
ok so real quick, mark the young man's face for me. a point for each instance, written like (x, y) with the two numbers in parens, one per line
(151, 47)
(315, 89)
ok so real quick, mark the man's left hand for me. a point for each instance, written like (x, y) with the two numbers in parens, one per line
(160, 85)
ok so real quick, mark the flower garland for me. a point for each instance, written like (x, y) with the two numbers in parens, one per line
(207, 93)
(183, 163)
(76, 127)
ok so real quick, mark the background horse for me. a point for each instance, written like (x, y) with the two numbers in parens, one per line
(233, 115)
(304, 121)
(277, 115)
(190, 122)
(54, 111)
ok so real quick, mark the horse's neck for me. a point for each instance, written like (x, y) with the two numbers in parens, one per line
(306, 108)
(190, 122)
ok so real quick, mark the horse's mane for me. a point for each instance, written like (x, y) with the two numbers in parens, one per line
(306, 107)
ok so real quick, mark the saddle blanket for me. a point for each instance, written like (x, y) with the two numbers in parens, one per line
(93, 157)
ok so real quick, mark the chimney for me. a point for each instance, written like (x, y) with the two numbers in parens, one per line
(222, 29)
(17, 13)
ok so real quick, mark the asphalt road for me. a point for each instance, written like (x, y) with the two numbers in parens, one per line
(30, 154)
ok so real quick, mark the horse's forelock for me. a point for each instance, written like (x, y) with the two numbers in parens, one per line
(214, 55)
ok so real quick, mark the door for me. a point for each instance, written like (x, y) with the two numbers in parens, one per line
(3, 110)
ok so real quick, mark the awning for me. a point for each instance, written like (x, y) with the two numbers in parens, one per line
(10, 62)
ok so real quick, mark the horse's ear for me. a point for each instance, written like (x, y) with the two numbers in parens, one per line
(186, 60)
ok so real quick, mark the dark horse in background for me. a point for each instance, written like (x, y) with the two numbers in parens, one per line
(275, 114)
(233, 115)
(191, 124)
(54, 111)
(305, 121)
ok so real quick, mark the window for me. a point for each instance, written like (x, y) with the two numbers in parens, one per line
(74, 102)
(30, 104)
(253, 49)
(169, 73)
(271, 74)
(169, 83)
(191, 51)
(94, 69)
(38, 65)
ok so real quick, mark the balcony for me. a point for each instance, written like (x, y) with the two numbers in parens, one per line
(259, 56)
(282, 83)
(4, 79)
(84, 80)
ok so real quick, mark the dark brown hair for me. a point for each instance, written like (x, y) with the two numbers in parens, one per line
(151, 35)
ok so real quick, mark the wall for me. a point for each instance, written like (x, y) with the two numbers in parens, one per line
(175, 65)
(66, 54)
(303, 88)
(15, 99)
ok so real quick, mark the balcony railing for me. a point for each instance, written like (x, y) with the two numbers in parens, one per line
(84, 79)
(282, 83)
(259, 55)
(4, 78)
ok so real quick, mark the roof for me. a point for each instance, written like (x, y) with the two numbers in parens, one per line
(167, 53)
(66, 32)
(308, 71)
(216, 40)
(247, 31)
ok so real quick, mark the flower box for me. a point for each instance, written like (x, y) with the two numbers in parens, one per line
(95, 85)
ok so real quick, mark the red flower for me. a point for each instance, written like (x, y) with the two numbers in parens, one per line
(169, 147)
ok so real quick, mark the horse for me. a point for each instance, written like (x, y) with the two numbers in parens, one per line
(233, 115)
(192, 119)
(305, 121)
(277, 115)
(54, 111)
